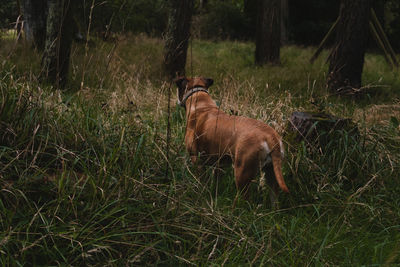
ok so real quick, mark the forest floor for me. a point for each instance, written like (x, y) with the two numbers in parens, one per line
(83, 171)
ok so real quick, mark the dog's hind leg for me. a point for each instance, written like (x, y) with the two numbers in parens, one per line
(244, 172)
(242, 181)
(273, 185)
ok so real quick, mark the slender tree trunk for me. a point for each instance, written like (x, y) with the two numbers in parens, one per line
(177, 36)
(268, 32)
(347, 57)
(35, 13)
(55, 61)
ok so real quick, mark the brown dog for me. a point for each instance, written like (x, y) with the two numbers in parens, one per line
(214, 135)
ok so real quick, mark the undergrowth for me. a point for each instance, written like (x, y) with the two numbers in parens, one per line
(83, 171)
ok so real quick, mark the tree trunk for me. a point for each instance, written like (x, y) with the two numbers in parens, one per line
(55, 61)
(268, 32)
(347, 57)
(177, 36)
(35, 13)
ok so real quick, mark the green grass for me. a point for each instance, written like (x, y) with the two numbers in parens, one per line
(82, 172)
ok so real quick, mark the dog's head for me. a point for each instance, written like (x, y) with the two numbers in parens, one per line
(186, 84)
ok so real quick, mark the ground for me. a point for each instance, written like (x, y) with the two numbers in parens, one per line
(83, 171)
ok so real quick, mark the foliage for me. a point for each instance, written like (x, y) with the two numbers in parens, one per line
(82, 173)
(392, 19)
(136, 16)
(8, 13)
(225, 20)
(311, 24)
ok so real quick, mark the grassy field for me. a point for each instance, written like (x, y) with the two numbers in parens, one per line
(82, 172)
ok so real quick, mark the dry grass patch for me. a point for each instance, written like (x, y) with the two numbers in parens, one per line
(378, 114)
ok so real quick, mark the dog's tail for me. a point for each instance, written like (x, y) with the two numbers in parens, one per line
(277, 165)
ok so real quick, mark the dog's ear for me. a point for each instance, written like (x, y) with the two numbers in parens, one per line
(209, 82)
(181, 82)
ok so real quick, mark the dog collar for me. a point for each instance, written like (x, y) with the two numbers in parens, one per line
(190, 93)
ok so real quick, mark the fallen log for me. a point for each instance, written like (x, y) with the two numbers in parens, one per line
(317, 130)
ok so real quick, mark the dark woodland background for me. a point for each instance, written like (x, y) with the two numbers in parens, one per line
(306, 21)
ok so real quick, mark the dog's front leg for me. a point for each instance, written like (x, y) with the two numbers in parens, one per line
(198, 167)
(191, 148)
(193, 159)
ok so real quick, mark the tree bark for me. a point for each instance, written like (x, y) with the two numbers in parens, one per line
(177, 37)
(347, 57)
(268, 32)
(55, 61)
(35, 13)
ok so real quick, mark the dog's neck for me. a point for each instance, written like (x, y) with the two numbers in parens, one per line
(197, 102)
(190, 92)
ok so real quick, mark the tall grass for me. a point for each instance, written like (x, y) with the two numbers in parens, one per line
(82, 171)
